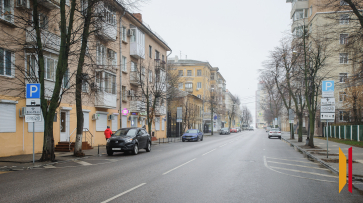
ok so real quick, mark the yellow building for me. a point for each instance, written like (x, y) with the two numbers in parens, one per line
(114, 54)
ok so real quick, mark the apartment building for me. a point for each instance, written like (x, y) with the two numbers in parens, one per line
(204, 81)
(260, 113)
(333, 26)
(232, 106)
(122, 45)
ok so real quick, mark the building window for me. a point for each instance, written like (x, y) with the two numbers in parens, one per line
(311, 11)
(66, 79)
(343, 57)
(124, 93)
(123, 64)
(342, 96)
(162, 58)
(7, 118)
(150, 76)
(112, 57)
(143, 70)
(108, 16)
(101, 54)
(133, 67)
(31, 68)
(6, 63)
(188, 85)
(189, 73)
(343, 38)
(84, 86)
(7, 10)
(343, 116)
(43, 21)
(150, 51)
(212, 76)
(199, 72)
(199, 96)
(343, 77)
(180, 73)
(343, 3)
(199, 85)
(124, 34)
(344, 19)
(110, 83)
(180, 86)
(157, 55)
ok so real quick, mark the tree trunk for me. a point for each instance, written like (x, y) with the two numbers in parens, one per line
(300, 137)
(312, 129)
(211, 120)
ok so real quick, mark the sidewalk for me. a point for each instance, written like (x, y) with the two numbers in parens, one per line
(320, 152)
(24, 162)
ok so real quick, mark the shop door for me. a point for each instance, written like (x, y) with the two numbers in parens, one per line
(64, 126)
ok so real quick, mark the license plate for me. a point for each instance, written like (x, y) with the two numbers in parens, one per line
(188, 138)
(116, 148)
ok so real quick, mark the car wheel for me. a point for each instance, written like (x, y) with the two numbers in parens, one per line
(198, 139)
(136, 150)
(109, 153)
(148, 148)
(201, 139)
(183, 140)
(269, 137)
(280, 137)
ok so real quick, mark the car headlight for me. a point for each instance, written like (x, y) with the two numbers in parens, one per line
(109, 140)
(128, 140)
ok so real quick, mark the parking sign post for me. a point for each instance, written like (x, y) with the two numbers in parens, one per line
(327, 110)
(33, 111)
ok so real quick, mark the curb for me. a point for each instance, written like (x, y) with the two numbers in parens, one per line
(308, 154)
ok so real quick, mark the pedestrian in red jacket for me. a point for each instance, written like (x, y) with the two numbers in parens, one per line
(108, 133)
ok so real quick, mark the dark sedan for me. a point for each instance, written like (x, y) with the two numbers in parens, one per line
(192, 135)
(129, 140)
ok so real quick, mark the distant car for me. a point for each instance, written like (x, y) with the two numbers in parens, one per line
(239, 130)
(233, 130)
(274, 132)
(129, 140)
(268, 129)
(251, 129)
(224, 131)
(192, 135)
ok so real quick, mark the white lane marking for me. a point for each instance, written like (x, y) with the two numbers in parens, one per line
(178, 167)
(223, 145)
(318, 174)
(119, 195)
(208, 152)
(264, 158)
(49, 166)
(293, 160)
(298, 165)
(83, 163)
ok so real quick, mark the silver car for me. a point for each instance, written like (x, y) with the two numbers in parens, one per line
(274, 132)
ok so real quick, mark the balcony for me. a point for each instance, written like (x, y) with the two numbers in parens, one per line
(137, 106)
(105, 100)
(137, 43)
(51, 4)
(106, 31)
(299, 23)
(190, 90)
(299, 5)
(160, 110)
(49, 40)
(134, 80)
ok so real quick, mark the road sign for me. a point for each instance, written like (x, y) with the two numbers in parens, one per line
(291, 121)
(328, 101)
(33, 102)
(33, 118)
(179, 112)
(291, 115)
(327, 88)
(32, 110)
(178, 120)
(327, 109)
(33, 91)
(325, 116)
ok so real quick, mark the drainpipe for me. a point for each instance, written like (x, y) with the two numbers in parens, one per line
(120, 39)
(166, 101)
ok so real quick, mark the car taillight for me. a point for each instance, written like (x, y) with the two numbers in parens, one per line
(271, 132)
(278, 132)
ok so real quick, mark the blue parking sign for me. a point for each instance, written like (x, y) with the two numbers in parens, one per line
(33, 91)
(328, 86)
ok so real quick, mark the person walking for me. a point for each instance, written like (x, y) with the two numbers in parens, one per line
(108, 133)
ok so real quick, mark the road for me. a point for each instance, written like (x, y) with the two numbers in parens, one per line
(241, 167)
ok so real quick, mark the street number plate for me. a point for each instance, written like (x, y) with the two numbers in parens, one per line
(116, 148)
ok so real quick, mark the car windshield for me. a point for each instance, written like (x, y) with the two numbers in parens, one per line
(275, 129)
(126, 132)
(192, 131)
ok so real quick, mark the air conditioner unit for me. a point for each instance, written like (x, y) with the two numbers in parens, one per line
(22, 4)
(95, 117)
(22, 112)
(130, 32)
(111, 117)
(110, 53)
(198, 89)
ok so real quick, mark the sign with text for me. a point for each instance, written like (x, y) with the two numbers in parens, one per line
(327, 109)
(328, 101)
(33, 118)
(327, 116)
(33, 110)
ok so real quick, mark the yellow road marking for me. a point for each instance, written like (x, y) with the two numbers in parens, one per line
(3, 172)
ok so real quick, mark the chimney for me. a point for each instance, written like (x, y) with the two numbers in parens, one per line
(138, 16)
(176, 59)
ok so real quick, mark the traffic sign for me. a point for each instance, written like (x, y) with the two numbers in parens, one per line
(33, 91)
(328, 88)
(328, 121)
(178, 120)
(328, 101)
(325, 116)
(32, 110)
(327, 109)
(33, 118)
(291, 115)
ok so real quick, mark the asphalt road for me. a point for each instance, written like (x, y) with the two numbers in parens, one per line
(241, 167)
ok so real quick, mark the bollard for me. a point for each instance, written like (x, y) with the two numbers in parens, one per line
(159, 140)
(163, 140)
(98, 149)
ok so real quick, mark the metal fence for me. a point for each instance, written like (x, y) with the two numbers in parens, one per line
(346, 132)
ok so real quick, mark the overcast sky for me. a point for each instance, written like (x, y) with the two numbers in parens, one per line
(234, 35)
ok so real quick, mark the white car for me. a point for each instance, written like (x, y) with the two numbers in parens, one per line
(274, 132)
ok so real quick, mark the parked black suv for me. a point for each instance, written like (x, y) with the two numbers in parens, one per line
(129, 140)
